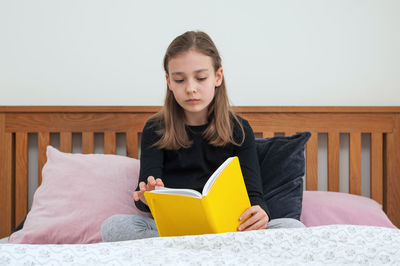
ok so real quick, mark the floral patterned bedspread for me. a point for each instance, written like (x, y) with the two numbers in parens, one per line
(323, 245)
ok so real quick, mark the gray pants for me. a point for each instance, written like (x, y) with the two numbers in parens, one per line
(122, 227)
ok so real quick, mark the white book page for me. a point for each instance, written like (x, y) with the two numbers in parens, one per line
(177, 191)
(214, 176)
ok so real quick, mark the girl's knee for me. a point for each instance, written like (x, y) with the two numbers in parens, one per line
(285, 223)
(111, 228)
(121, 227)
(293, 223)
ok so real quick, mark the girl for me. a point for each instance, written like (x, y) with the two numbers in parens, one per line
(190, 137)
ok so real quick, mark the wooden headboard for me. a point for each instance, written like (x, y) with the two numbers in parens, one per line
(382, 123)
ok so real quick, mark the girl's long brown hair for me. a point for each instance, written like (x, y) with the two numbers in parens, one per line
(220, 114)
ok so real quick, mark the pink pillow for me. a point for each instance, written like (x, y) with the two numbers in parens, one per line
(324, 208)
(78, 192)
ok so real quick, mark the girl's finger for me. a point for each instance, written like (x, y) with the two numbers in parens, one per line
(261, 224)
(248, 212)
(151, 181)
(135, 196)
(249, 222)
(159, 182)
(258, 225)
(142, 186)
(149, 187)
(257, 214)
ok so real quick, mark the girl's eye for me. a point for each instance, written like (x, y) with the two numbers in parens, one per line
(201, 79)
(179, 80)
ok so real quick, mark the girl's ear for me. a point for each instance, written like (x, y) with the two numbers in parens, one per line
(219, 77)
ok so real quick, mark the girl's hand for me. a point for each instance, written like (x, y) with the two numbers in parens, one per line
(151, 183)
(258, 219)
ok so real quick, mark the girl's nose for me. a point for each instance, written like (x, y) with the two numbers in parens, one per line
(191, 87)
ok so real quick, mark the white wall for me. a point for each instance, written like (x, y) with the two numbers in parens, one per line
(99, 52)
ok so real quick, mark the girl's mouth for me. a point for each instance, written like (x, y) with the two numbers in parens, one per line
(192, 100)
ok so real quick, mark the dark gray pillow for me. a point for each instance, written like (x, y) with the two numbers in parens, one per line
(282, 165)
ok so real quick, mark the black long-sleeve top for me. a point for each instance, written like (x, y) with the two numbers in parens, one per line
(191, 167)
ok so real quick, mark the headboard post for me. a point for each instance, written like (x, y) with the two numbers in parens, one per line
(6, 202)
(392, 182)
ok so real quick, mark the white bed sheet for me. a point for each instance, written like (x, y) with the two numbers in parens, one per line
(324, 245)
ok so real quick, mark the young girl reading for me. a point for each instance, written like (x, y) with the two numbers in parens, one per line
(194, 133)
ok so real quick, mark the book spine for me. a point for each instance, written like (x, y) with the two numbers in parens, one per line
(209, 212)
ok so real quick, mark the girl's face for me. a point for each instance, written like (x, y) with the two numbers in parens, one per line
(192, 80)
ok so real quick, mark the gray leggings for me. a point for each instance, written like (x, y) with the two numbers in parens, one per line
(122, 227)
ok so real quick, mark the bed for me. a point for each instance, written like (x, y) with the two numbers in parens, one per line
(322, 243)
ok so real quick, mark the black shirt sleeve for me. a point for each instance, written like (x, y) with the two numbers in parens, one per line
(151, 158)
(247, 154)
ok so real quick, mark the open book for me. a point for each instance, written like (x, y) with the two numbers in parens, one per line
(216, 210)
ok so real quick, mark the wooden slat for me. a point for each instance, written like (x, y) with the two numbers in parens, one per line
(392, 185)
(317, 109)
(132, 140)
(66, 142)
(260, 122)
(290, 133)
(326, 122)
(87, 142)
(43, 142)
(110, 143)
(268, 134)
(333, 161)
(21, 176)
(312, 162)
(6, 214)
(239, 109)
(355, 163)
(108, 109)
(75, 122)
(377, 167)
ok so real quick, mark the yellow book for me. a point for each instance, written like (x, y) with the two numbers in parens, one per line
(216, 210)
